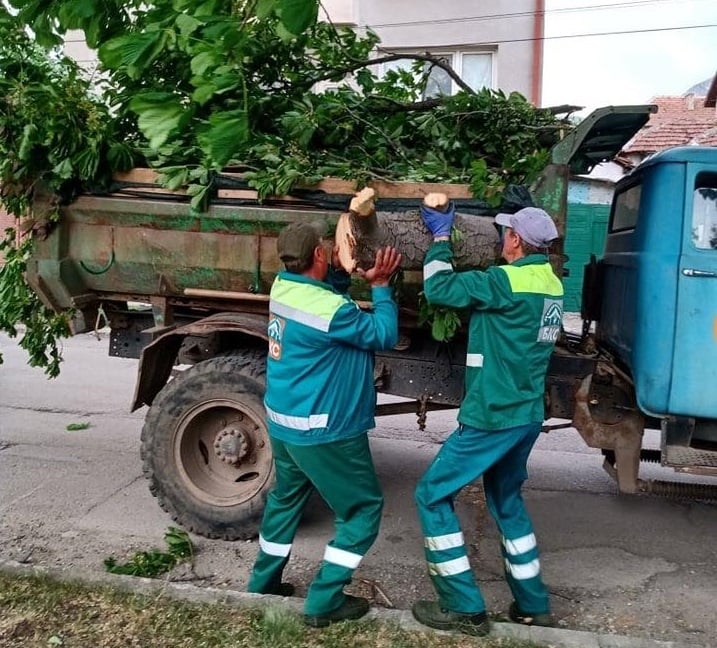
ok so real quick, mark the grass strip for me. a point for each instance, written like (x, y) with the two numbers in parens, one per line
(39, 612)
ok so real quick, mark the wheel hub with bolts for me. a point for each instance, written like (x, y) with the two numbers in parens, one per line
(231, 445)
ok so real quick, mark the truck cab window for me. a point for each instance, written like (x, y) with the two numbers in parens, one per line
(626, 207)
(704, 217)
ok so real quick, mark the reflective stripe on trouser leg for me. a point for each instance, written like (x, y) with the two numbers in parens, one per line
(502, 484)
(444, 545)
(463, 458)
(282, 514)
(450, 570)
(344, 475)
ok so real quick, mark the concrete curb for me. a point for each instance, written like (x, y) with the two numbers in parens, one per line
(549, 637)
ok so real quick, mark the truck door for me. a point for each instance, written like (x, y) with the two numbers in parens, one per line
(694, 380)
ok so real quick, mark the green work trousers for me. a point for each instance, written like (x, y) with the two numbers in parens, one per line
(343, 474)
(500, 457)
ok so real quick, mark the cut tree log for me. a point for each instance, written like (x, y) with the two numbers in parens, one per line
(363, 230)
(437, 201)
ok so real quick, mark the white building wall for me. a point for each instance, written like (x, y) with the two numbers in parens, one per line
(76, 48)
(610, 171)
(504, 27)
(344, 12)
(585, 190)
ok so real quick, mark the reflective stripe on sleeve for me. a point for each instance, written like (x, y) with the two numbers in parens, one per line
(342, 557)
(449, 567)
(304, 423)
(519, 546)
(274, 548)
(436, 266)
(443, 542)
(474, 360)
(523, 572)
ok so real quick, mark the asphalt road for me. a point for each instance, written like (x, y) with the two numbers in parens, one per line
(639, 565)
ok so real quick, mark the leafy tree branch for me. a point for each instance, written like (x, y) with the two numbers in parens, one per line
(389, 58)
(190, 87)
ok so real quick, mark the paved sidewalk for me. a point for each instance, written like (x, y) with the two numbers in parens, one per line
(548, 637)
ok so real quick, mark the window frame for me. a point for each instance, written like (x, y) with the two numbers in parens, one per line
(456, 61)
(613, 228)
(704, 181)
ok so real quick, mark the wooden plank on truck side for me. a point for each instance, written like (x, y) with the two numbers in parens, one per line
(138, 175)
(230, 294)
(418, 190)
(384, 188)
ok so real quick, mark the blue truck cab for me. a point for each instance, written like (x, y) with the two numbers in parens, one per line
(659, 306)
(656, 319)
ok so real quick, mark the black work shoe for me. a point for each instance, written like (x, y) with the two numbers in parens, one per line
(282, 589)
(539, 619)
(353, 607)
(430, 613)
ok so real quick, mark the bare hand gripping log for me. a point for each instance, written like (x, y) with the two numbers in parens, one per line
(362, 230)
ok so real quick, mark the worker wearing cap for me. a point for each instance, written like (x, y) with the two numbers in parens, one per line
(320, 402)
(515, 318)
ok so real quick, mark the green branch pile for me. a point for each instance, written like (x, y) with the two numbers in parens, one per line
(53, 132)
(150, 564)
(191, 88)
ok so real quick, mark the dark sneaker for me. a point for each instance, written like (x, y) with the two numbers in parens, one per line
(282, 589)
(353, 607)
(430, 613)
(538, 619)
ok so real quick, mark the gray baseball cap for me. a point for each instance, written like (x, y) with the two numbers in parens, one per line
(532, 224)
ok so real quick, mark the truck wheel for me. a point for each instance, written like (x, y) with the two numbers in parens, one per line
(206, 450)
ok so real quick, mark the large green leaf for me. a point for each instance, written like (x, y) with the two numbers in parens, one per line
(226, 133)
(298, 15)
(210, 8)
(204, 93)
(159, 115)
(135, 52)
(203, 61)
(264, 8)
(182, 6)
(187, 24)
(73, 14)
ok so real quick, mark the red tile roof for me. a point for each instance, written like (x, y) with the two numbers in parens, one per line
(678, 121)
(707, 138)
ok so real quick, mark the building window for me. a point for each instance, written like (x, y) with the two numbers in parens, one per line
(475, 68)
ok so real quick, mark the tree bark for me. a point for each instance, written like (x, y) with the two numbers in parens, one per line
(358, 238)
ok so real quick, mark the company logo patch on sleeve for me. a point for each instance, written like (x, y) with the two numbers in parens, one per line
(550, 321)
(276, 332)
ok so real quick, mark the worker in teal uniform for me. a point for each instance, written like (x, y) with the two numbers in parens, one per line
(515, 318)
(320, 402)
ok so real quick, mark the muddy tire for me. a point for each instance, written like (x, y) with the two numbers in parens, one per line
(206, 450)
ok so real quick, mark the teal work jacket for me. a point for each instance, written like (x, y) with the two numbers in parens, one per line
(516, 314)
(319, 374)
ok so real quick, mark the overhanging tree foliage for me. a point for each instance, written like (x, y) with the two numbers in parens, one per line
(193, 87)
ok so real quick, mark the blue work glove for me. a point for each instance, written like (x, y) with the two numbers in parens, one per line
(439, 223)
